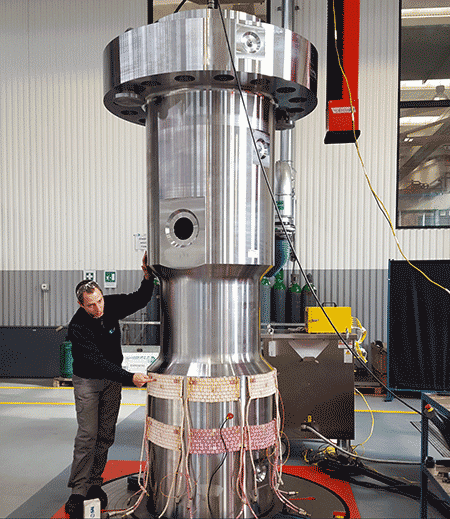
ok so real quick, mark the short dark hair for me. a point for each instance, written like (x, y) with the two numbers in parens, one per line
(85, 286)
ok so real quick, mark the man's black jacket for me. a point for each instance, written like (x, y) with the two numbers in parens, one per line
(96, 348)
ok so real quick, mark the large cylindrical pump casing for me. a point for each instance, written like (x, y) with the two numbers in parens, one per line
(213, 243)
(210, 241)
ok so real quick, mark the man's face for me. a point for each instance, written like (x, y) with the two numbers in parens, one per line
(94, 304)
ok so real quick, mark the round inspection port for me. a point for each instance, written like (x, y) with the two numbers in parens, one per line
(182, 228)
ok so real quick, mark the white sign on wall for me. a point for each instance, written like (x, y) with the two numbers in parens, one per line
(90, 275)
(140, 242)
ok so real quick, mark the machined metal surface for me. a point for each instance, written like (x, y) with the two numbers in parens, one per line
(215, 477)
(208, 318)
(202, 162)
(285, 196)
(189, 49)
(210, 241)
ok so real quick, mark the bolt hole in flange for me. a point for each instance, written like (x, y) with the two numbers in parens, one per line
(182, 228)
(298, 100)
(184, 78)
(292, 111)
(223, 77)
(286, 90)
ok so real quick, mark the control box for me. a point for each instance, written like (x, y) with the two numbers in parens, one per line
(317, 322)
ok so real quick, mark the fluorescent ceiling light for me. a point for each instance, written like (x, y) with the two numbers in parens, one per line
(418, 120)
(430, 84)
(428, 12)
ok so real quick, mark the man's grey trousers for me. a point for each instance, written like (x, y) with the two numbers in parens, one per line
(97, 403)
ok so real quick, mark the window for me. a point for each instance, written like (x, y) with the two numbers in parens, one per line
(423, 191)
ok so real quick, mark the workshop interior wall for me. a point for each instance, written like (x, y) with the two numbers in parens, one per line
(73, 175)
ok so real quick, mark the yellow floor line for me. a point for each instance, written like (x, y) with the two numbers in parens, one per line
(35, 387)
(142, 405)
(387, 412)
(37, 403)
(63, 387)
(55, 403)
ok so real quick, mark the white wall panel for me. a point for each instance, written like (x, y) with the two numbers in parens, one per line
(73, 175)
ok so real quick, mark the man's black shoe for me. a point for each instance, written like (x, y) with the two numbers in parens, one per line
(74, 507)
(96, 492)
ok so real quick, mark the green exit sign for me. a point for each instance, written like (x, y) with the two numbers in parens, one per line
(110, 279)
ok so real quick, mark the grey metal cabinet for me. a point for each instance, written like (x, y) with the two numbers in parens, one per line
(316, 382)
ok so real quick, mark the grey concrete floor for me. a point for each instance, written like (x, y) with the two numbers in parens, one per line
(37, 429)
(38, 425)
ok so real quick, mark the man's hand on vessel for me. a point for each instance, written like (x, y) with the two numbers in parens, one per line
(145, 268)
(140, 379)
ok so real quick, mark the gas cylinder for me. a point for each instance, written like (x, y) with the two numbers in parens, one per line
(265, 301)
(308, 296)
(294, 309)
(279, 299)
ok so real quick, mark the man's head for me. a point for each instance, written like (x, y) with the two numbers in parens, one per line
(90, 297)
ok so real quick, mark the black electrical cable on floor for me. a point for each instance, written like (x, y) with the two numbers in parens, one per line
(349, 472)
(357, 456)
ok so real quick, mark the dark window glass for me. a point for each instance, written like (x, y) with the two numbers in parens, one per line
(423, 194)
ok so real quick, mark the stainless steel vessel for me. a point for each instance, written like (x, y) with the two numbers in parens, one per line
(212, 421)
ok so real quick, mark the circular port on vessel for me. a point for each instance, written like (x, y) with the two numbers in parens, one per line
(182, 228)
